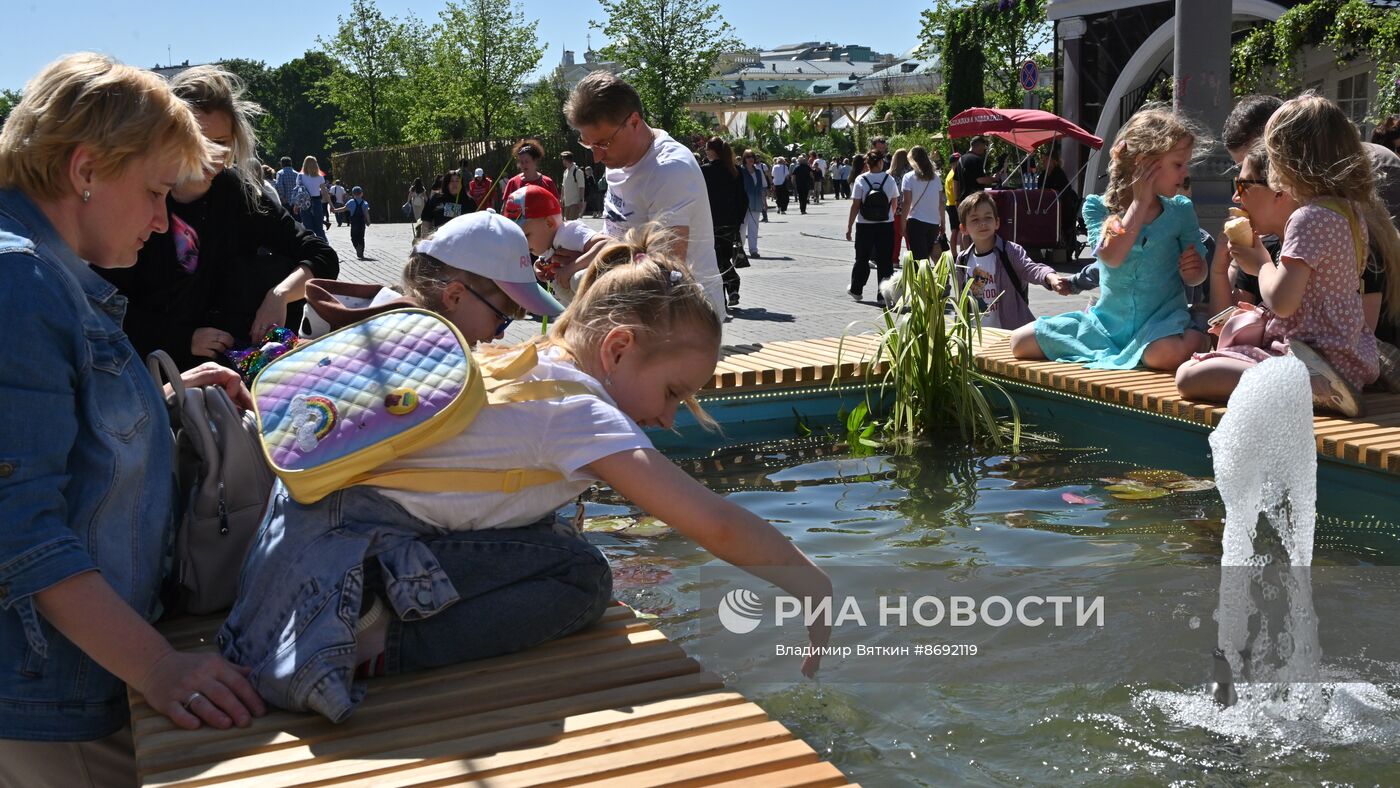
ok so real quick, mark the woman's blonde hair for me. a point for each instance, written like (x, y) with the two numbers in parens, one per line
(309, 163)
(1152, 132)
(212, 89)
(117, 112)
(1315, 151)
(921, 163)
(638, 284)
(899, 164)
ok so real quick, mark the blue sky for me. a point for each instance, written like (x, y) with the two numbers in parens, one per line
(139, 31)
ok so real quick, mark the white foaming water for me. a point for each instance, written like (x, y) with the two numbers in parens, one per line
(1265, 460)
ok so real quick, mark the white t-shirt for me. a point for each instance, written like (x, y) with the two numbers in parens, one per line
(563, 435)
(574, 237)
(926, 206)
(571, 185)
(780, 173)
(983, 273)
(868, 181)
(312, 184)
(666, 186)
(338, 194)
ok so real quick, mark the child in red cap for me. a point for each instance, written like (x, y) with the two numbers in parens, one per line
(539, 214)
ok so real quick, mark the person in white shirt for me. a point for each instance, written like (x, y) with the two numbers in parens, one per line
(921, 204)
(819, 176)
(782, 190)
(314, 183)
(874, 225)
(651, 177)
(337, 200)
(571, 185)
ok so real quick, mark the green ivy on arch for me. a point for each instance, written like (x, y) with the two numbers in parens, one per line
(1269, 58)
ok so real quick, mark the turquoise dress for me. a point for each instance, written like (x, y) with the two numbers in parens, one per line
(1140, 301)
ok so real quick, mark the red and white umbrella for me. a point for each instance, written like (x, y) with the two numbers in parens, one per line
(1024, 128)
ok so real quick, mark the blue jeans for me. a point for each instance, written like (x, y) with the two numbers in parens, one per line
(520, 587)
(314, 218)
(455, 596)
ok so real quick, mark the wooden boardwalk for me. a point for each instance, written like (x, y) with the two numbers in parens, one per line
(1372, 440)
(615, 705)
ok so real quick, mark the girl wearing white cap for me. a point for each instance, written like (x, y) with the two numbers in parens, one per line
(475, 271)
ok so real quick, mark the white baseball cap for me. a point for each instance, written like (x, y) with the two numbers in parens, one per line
(492, 246)
(479, 172)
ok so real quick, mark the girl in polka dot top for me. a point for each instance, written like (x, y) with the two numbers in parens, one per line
(1319, 186)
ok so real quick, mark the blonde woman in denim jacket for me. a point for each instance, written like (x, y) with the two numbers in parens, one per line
(86, 466)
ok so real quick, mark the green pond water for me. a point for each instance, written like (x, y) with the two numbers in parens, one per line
(938, 508)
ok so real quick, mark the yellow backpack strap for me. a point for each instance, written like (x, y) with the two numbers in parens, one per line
(1358, 242)
(500, 376)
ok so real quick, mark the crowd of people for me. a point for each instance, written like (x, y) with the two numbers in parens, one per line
(135, 217)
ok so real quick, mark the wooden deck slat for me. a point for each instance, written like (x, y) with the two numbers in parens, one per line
(615, 699)
(1372, 440)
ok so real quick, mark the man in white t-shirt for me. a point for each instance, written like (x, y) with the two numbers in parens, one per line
(874, 225)
(337, 201)
(571, 188)
(651, 177)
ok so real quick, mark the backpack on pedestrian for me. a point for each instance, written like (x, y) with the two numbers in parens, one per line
(301, 197)
(223, 482)
(875, 205)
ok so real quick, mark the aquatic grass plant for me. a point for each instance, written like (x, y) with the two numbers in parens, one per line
(927, 339)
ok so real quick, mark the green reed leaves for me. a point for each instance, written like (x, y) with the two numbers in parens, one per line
(928, 337)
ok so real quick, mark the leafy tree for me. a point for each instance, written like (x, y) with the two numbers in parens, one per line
(544, 106)
(8, 100)
(294, 122)
(915, 107)
(486, 50)
(367, 80)
(668, 48)
(982, 44)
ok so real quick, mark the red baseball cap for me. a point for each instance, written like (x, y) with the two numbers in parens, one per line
(531, 202)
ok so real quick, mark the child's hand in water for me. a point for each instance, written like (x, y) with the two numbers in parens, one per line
(1192, 266)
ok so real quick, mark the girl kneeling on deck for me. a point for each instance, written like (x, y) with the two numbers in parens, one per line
(369, 581)
(1147, 240)
(1313, 184)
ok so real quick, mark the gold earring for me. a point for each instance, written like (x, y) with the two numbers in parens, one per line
(87, 195)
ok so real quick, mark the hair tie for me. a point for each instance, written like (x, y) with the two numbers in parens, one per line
(675, 277)
(639, 257)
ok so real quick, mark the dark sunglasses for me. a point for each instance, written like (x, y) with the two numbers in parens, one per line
(1243, 184)
(505, 319)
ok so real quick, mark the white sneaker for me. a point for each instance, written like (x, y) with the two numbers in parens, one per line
(1331, 391)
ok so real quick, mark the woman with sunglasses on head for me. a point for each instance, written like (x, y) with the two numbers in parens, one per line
(233, 264)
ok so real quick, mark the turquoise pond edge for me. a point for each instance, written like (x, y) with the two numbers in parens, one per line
(1349, 493)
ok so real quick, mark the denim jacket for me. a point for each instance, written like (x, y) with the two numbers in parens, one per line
(302, 587)
(86, 475)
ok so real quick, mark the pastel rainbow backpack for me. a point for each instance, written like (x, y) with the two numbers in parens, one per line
(334, 410)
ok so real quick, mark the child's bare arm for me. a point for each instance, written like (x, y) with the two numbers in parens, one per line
(729, 531)
(1282, 285)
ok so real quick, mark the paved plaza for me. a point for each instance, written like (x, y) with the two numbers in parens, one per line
(796, 290)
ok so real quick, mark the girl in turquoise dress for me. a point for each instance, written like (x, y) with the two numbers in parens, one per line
(1147, 243)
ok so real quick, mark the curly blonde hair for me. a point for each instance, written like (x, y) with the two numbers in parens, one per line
(1315, 151)
(1151, 133)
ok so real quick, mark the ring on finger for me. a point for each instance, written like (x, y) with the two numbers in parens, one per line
(194, 696)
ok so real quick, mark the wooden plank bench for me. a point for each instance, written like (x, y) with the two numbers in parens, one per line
(617, 704)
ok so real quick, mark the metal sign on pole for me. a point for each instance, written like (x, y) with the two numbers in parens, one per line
(1030, 75)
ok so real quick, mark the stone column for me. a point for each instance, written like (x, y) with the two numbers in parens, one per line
(1201, 65)
(1071, 34)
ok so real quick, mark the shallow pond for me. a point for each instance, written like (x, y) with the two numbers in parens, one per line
(939, 509)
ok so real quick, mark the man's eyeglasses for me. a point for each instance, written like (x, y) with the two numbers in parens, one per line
(611, 137)
(1242, 185)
